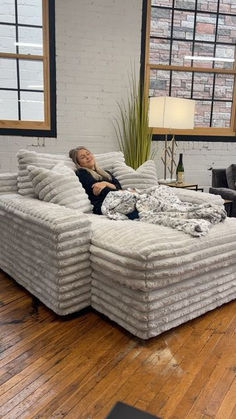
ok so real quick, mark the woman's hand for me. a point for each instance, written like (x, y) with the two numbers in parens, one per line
(99, 186)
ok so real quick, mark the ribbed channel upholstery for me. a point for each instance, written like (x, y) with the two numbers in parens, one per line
(8, 182)
(45, 247)
(48, 160)
(147, 278)
(150, 278)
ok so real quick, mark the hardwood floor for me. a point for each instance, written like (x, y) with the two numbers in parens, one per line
(78, 367)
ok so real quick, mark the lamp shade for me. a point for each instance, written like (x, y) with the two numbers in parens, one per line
(171, 112)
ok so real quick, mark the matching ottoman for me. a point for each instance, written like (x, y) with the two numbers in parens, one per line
(150, 278)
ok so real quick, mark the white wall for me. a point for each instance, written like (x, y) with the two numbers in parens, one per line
(198, 157)
(97, 42)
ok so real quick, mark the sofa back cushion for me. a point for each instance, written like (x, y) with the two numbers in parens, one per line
(59, 185)
(8, 182)
(47, 161)
(219, 179)
(142, 178)
(231, 176)
(43, 160)
(106, 160)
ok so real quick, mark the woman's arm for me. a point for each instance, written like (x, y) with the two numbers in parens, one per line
(115, 181)
(86, 179)
(99, 186)
(91, 186)
(113, 185)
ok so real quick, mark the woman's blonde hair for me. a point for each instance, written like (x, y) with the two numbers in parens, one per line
(97, 173)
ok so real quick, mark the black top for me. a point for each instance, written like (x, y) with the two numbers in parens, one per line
(88, 180)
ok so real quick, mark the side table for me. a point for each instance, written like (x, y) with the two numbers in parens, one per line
(185, 185)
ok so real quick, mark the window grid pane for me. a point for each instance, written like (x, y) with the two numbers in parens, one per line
(31, 74)
(183, 25)
(8, 38)
(8, 105)
(159, 51)
(224, 84)
(195, 34)
(29, 12)
(212, 93)
(207, 5)
(161, 22)
(205, 27)
(8, 73)
(159, 83)
(202, 113)
(228, 6)
(30, 40)
(32, 106)
(21, 79)
(162, 3)
(226, 29)
(7, 11)
(182, 4)
(181, 84)
(180, 50)
(221, 114)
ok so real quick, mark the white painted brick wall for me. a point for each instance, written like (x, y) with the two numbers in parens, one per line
(198, 157)
(97, 43)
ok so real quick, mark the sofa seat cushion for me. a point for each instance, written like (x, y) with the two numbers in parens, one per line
(197, 197)
(150, 278)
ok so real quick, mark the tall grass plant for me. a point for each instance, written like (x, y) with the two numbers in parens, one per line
(133, 133)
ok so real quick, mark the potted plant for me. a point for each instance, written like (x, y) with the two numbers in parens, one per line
(131, 126)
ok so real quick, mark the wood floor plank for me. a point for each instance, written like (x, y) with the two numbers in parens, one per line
(228, 401)
(80, 380)
(51, 367)
(52, 354)
(220, 379)
(65, 367)
(233, 414)
(37, 337)
(175, 371)
(46, 341)
(139, 380)
(200, 357)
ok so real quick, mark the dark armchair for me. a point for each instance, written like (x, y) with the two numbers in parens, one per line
(221, 179)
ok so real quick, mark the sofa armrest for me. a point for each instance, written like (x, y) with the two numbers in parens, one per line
(196, 197)
(46, 248)
(225, 193)
(8, 183)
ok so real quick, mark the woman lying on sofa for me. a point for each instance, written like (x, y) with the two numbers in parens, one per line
(156, 205)
(96, 181)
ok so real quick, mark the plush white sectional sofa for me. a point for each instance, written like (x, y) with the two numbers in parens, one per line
(147, 278)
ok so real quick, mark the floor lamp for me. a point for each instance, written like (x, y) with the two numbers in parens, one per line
(171, 113)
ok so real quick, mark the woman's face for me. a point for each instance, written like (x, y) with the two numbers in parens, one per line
(85, 158)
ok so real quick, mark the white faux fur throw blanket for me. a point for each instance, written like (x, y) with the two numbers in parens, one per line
(160, 205)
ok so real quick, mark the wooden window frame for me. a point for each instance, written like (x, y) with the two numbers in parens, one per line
(198, 133)
(46, 128)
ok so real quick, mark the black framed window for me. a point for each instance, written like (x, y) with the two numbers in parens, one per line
(27, 68)
(190, 53)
